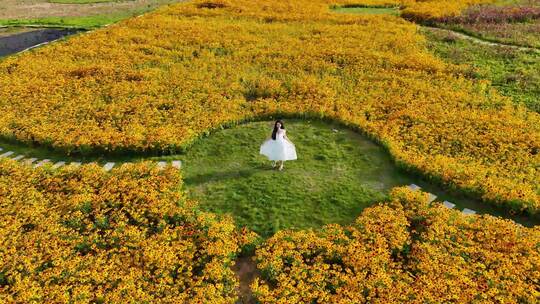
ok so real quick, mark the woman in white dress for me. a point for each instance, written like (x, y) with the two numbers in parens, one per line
(278, 148)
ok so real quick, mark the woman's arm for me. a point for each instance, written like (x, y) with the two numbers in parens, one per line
(285, 136)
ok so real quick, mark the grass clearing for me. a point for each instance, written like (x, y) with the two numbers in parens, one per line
(336, 176)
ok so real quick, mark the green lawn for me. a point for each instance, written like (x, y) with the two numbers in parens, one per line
(67, 22)
(336, 175)
(513, 72)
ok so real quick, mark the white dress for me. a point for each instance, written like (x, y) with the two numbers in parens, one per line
(279, 149)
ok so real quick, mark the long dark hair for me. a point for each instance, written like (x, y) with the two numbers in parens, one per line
(276, 128)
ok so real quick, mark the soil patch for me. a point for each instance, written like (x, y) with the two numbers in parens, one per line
(246, 270)
(29, 9)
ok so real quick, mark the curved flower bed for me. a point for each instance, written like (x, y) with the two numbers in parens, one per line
(85, 236)
(403, 252)
(157, 82)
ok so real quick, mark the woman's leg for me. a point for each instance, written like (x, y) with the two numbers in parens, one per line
(281, 165)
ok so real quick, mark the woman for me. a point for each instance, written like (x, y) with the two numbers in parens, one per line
(278, 147)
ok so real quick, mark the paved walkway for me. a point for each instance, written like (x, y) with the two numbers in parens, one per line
(35, 162)
(447, 204)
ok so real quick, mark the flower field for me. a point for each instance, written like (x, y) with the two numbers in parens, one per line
(85, 236)
(156, 83)
(403, 252)
(80, 235)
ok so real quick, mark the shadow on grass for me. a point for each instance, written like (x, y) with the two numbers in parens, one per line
(217, 176)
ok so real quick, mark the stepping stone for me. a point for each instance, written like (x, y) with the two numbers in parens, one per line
(76, 164)
(468, 211)
(29, 161)
(108, 166)
(414, 187)
(58, 164)
(7, 154)
(177, 164)
(41, 163)
(161, 165)
(431, 197)
(18, 157)
(448, 205)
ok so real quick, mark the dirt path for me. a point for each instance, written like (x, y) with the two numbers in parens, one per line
(27, 9)
(482, 41)
(246, 270)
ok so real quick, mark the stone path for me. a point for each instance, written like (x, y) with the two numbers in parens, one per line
(36, 163)
(447, 204)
